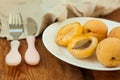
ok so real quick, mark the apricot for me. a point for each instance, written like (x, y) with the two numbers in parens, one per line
(96, 28)
(108, 52)
(115, 32)
(98, 36)
(82, 47)
(68, 32)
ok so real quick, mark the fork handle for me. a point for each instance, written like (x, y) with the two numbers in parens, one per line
(32, 56)
(13, 58)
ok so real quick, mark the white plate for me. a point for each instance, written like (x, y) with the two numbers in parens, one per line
(62, 53)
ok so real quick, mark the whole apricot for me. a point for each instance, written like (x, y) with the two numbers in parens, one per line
(108, 52)
(97, 28)
(115, 32)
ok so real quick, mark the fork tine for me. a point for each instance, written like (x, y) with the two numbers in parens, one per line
(19, 19)
(15, 25)
(16, 19)
(11, 18)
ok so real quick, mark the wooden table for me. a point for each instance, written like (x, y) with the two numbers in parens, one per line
(50, 68)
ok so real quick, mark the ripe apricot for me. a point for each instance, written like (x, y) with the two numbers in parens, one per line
(68, 32)
(115, 32)
(96, 28)
(108, 52)
(82, 47)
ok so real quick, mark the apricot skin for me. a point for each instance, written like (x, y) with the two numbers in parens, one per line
(108, 52)
(98, 36)
(115, 32)
(96, 28)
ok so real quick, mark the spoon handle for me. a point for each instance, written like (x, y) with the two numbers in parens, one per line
(13, 58)
(32, 56)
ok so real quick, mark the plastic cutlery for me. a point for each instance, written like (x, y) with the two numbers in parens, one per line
(32, 56)
(13, 58)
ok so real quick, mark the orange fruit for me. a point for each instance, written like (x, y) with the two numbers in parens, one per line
(96, 28)
(108, 52)
(68, 32)
(82, 47)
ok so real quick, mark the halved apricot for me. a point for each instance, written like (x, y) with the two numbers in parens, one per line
(68, 32)
(82, 47)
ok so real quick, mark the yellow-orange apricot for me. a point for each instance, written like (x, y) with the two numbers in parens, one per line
(115, 32)
(82, 47)
(98, 36)
(68, 32)
(96, 28)
(108, 52)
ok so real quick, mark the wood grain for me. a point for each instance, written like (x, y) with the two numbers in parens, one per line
(50, 68)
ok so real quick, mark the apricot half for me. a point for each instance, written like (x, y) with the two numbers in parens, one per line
(96, 28)
(68, 32)
(108, 52)
(82, 47)
(115, 32)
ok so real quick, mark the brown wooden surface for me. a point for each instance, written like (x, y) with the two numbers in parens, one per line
(50, 68)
